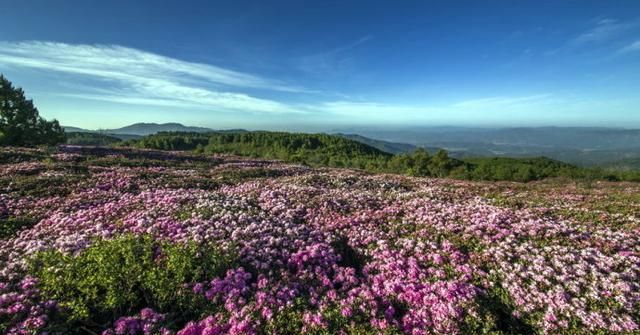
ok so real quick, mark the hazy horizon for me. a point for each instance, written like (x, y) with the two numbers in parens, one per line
(301, 66)
(356, 128)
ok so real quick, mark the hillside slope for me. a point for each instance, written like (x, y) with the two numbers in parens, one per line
(97, 240)
(338, 151)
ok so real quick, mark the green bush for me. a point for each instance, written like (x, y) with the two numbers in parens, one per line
(9, 226)
(114, 278)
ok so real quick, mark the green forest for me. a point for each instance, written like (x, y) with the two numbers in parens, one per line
(336, 151)
(90, 139)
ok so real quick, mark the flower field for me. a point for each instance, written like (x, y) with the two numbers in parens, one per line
(106, 241)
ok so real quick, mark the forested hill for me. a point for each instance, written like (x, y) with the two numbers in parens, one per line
(390, 147)
(313, 149)
(337, 151)
(80, 138)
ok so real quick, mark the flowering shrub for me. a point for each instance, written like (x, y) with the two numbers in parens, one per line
(23, 310)
(145, 242)
(146, 322)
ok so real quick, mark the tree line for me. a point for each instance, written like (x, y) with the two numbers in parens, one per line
(335, 151)
(93, 139)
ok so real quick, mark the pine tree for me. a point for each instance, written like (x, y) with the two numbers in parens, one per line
(20, 121)
(441, 164)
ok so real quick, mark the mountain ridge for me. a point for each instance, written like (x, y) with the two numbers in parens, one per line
(141, 129)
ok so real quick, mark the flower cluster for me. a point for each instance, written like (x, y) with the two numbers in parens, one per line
(23, 307)
(145, 323)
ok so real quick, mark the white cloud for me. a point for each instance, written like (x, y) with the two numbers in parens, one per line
(491, 106)
(113, 61)
(603, 30)
(134, 77)
(635, 46)
(372, 109)
(143, 78)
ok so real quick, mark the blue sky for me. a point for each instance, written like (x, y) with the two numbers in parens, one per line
(325, 64)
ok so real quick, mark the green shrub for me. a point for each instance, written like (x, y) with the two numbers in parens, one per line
(10, 226)
(113, 278)
(35, 186)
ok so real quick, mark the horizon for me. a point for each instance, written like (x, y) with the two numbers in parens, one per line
(353, 128)
(302, 67)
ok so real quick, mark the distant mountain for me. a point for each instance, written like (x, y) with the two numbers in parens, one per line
(390, 147)
(387, 146)
(583, 138)
(586, 146)
(143, 129)
(140, 129)
(70, 129)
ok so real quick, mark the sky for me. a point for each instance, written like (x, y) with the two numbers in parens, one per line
(316, 65)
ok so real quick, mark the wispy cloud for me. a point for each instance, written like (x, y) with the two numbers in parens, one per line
(634, 46)
(333, 61)
(133, 76)
(602, 31)
(374, 110)
(490, 106)
(493, 102)
(600, 41)
(353, 44)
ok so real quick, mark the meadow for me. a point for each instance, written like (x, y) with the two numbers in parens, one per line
(133, 241)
